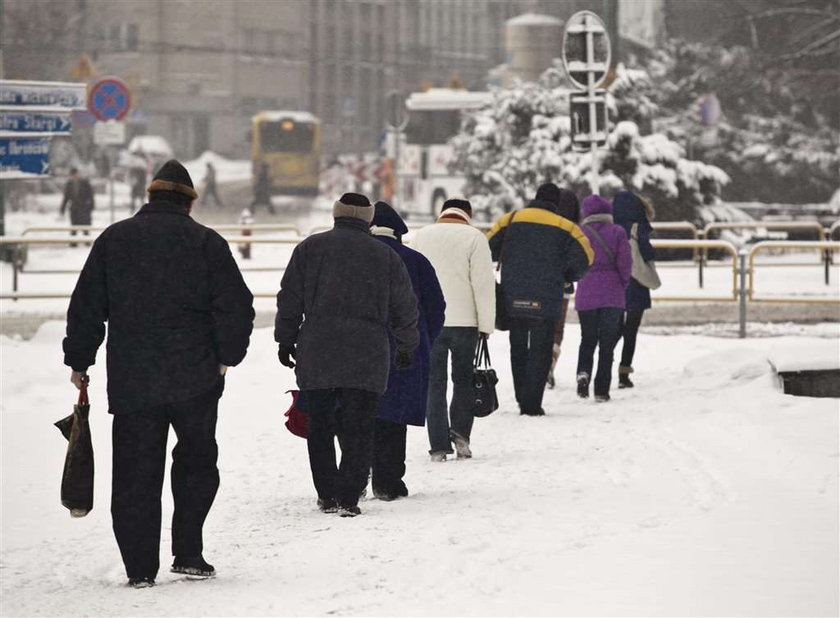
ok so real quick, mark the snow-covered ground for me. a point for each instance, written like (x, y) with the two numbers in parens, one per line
(703, 491)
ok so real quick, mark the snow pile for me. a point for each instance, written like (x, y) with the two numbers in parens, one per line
(227, 170)
(703, 491)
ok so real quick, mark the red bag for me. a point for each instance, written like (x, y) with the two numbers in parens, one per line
(297, 420)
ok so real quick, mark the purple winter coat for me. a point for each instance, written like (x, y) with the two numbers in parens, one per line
(604, 284)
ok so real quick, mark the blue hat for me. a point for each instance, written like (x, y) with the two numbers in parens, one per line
(385, 216)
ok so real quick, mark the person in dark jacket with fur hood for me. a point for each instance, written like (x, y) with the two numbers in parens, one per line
(540, 253)
(341, 292)
(178, 315)
(631, 210)
(404, 403)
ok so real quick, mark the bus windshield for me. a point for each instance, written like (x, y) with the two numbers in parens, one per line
(286, 136)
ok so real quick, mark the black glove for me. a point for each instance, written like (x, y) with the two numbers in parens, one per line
(286, 353)
(404, 360)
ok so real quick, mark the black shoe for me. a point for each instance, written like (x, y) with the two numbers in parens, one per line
(583, 385)
(195, 566)
(141, 582)
(389, 495)
(327, 506)
(601, 398)
(537, 412)
(624, 381)
(349, 511)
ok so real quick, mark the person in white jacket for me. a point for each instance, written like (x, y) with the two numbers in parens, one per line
(461, 256)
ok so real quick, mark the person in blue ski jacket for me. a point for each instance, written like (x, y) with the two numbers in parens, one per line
(404, 402)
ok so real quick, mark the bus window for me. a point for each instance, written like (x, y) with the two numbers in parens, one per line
(432, 127)
(286, 136)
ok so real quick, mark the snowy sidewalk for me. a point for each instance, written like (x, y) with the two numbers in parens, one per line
(704, 491)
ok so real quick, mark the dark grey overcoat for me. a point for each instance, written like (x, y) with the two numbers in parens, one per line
(340, 293)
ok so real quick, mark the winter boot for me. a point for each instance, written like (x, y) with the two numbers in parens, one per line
(327, 506)
(624, 377)
(583, 385)
(194, 566)
(602, 398)
(141, 582)
(438, 456)
(350, 510)
(462, 447)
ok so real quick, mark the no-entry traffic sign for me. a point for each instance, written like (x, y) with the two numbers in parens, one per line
(109, 99)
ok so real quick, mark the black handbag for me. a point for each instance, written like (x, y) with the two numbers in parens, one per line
(485, 401)
(77, 478)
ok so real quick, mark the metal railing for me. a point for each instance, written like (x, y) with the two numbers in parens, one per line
(766, 225)
(742, 264)
(221, 229)
(826, 247)
(700, 245)
(20, 244)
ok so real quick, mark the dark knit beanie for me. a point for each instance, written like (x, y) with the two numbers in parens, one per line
(173, 176)
(460, 204)
(549, 192)
(353, 205)
(568, 206)
(386, 216)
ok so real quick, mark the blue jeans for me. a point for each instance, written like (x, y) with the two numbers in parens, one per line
(461, 342)
(599, 328)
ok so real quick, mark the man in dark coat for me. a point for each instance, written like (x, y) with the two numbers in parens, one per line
(540, 253)
(78, 195)
(404, 402)
(341, 291)
(178, 315)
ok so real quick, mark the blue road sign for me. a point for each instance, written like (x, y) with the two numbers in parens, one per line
(26, 157)
(109, 99)
(42, 94)
(35, 122)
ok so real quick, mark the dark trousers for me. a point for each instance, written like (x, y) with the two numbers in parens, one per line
(461, 342)
(349, 415)
(599, 328)
(139, 460)
(388, 457)
(629, 329)
(531, 340)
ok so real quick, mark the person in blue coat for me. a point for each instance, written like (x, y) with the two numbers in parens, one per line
(630, 209)
(404, 402)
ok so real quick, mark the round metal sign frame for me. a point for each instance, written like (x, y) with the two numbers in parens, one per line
(581, 15)
(109, 99)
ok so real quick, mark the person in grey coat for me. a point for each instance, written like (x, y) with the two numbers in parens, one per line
(341, 292)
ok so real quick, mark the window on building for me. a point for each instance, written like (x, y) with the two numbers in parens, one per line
(132, 38)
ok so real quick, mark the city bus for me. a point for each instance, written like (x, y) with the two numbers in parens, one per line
(424, 181)
(289, 144)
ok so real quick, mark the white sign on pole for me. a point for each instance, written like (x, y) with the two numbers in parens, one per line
(109, 133)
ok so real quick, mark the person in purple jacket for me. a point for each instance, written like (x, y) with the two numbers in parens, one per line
(404, 403)
(600, 299)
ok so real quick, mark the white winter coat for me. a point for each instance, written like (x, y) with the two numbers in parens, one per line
(461, 257)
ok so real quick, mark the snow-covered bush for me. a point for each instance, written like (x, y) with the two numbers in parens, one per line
(522, 139)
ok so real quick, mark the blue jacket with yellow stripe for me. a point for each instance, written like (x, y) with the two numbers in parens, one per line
(540, 252)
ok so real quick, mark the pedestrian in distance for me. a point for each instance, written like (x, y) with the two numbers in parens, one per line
(404, 402)
(461, 258)
(137, 176)
(78, 196)
(262, 191)
(599, 300)
(179, 314)
(568, 207)
(210, 188)
(540, 253)
(631, 210)
(341, 292)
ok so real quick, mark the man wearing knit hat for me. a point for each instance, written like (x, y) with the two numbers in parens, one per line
(178, 315)
(341, 292)
(461, 257)
(540, 252)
